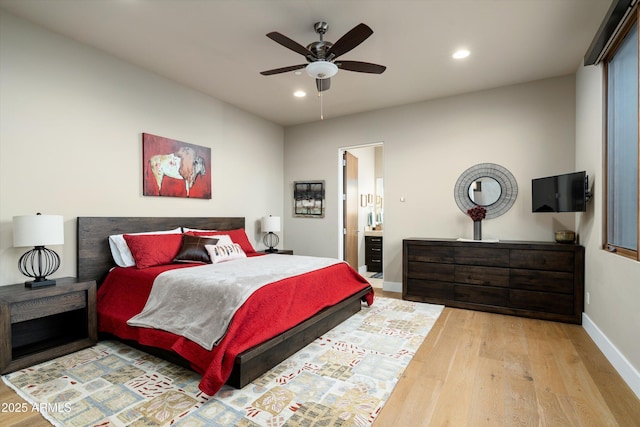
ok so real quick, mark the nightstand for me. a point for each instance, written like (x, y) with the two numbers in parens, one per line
(44, 323)
(280, 252)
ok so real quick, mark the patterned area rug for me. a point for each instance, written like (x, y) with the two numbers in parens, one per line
(341, 379)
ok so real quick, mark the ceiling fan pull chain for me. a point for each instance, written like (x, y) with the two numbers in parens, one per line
(321, 106)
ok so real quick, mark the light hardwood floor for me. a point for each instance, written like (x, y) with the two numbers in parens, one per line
(481, 369)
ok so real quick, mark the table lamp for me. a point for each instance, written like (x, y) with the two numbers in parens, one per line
(270, 225)
(37, 231)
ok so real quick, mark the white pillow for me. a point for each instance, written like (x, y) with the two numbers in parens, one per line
(186, 229)
(120, 251)
(221, 253)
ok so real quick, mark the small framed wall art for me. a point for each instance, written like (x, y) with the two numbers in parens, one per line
(308, 199)
(173, 168)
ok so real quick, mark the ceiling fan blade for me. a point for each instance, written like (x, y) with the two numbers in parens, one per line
(323, 84)
(282, 70)
(353, 38)
(289, 44)
(361, 67)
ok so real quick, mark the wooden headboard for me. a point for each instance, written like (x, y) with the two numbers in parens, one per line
(94, 258)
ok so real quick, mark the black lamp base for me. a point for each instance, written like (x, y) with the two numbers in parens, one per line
(270, 240)
(38, 263)
(40, 283)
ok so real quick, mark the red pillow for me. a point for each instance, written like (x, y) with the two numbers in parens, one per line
(238, 236)
(149, 250)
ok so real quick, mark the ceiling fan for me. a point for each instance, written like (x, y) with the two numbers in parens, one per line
(321, 56)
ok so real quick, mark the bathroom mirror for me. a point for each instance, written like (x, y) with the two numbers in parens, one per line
(488, 185)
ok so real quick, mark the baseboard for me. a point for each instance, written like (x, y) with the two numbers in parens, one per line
(626, 370)
(392, 286)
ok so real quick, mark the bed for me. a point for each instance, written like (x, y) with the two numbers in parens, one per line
(242, 355)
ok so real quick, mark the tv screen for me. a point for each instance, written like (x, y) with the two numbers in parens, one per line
(560, 193)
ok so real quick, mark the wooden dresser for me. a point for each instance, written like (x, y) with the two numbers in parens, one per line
(530, 279)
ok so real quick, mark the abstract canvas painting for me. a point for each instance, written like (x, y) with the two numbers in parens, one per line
(308, 199)
(175, 169)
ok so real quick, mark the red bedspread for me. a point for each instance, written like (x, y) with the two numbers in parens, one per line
(268, 312)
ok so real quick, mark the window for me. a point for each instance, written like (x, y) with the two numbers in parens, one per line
(622, 96)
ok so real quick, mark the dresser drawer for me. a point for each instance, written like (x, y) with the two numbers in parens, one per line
(543, 281)
(541, 301)
(481, 295)
(429, 289)
(431, 271)
(428, 253)
(542, 260)
(373, 263)
(374, 251)
(47, 306)
(477, 275)
(490, 256)
(373, 240)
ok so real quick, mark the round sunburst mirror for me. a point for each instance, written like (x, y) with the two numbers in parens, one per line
(488, 185)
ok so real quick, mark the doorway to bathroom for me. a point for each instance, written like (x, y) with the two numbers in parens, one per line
(362, 210)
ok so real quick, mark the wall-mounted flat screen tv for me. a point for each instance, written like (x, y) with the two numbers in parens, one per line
(560, 193)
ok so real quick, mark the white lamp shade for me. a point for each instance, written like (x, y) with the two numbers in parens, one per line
(38, 230)
(270, 224)
(322, 69)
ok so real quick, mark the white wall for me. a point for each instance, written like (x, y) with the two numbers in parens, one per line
(612, 317)
(527, 128)
(70, 141)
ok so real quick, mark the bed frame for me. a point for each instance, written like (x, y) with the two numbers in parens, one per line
(94, 261)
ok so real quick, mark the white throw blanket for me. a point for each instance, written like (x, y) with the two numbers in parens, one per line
(199, 302)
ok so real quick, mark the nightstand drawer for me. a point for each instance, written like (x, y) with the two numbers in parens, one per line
(47, 306)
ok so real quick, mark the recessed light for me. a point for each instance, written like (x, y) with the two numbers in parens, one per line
(299, 94)
(461, 53)
(297, 73)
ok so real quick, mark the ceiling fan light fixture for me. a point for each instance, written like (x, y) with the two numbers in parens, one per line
(322, 69)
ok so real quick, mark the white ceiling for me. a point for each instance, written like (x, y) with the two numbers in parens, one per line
(218, 47)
